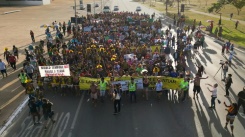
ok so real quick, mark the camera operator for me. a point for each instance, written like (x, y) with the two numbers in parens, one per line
(225, 67)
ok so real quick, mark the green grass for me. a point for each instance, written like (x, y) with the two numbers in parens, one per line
(229, 31)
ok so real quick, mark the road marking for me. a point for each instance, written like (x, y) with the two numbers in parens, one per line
(12, 99)
(76, 115)
(16, 88)
(10, 83)
(62, 130)
(56, 126)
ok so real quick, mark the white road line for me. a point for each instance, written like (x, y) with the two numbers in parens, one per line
(76, 115)
(16, 88)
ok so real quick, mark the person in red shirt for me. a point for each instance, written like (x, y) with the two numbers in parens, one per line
(12, 61)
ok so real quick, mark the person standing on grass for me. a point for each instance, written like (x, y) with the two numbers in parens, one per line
(231, 15)
(214, 95)
(3, 68)
(236, 24)
(47, 112)
(197, 87)
(228, 82)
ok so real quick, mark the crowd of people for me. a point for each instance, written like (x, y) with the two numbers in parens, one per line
(98, 48)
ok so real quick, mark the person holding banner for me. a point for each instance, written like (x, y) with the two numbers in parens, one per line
(132, 90)
(146, 86)
(103, 85)
(93, 93)
(159, 86)
(184, 86)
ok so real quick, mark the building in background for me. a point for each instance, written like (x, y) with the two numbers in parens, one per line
(24, 2)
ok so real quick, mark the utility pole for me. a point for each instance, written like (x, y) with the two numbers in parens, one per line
(178, 7)
(94, 7)
(101, 5)
(75, 7)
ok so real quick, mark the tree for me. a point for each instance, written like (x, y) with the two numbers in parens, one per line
(238, 4)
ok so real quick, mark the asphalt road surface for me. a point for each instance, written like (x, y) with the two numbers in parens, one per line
(76, 117)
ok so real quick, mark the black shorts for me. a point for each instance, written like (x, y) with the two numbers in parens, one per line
(159, 92)
(196, 89)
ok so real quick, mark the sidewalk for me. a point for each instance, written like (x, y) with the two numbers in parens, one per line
(217, 16)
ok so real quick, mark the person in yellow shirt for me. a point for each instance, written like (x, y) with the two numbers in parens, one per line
(55, 83)
(63, 85)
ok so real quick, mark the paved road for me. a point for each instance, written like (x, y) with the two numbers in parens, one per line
(76, 117)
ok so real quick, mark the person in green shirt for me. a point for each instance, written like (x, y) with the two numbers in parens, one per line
(103, 85)
(132, 86)
(139, 68)
(184, 86)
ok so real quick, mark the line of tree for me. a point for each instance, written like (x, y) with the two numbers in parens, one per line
(216, 7)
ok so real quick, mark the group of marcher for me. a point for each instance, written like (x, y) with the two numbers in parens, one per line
(98, 49)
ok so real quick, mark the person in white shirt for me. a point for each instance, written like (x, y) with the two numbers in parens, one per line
(214, 95)
(159, 89)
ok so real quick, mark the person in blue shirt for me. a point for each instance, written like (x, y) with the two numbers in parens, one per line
(173, 74)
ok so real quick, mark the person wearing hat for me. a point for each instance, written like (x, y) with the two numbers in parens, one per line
(228, 82)
(6, 55)
(23, 78)
(132, 86)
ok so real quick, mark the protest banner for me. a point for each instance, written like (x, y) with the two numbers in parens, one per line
(57, 70)
(168, 82)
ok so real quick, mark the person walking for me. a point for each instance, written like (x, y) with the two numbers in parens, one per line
(236, 24)
(32, 36)
(29, 70)
(214, 94)
(34, 110)
(12, 61)
(23, 78)
(16, 51)
(228, 82)
(48, 113)
(197, 87)
(117, 99)
(231, 15)
(103, 85)
(241, 99)
(158, 87)
(230, 117)
(3, 68)
(132, 90)
(6, 55)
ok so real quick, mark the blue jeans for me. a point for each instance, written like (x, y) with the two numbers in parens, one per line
(213, 101)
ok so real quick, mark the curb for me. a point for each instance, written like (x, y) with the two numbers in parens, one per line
(8, 12)
(13, 116)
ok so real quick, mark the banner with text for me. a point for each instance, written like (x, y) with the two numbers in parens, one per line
(168, 82)
(57, 70)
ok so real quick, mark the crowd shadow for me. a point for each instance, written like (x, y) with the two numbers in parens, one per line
(212, 115)
(207, 57)
(203, 59)
(210, 51)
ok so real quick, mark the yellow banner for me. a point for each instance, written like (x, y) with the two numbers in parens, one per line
(168, 82)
